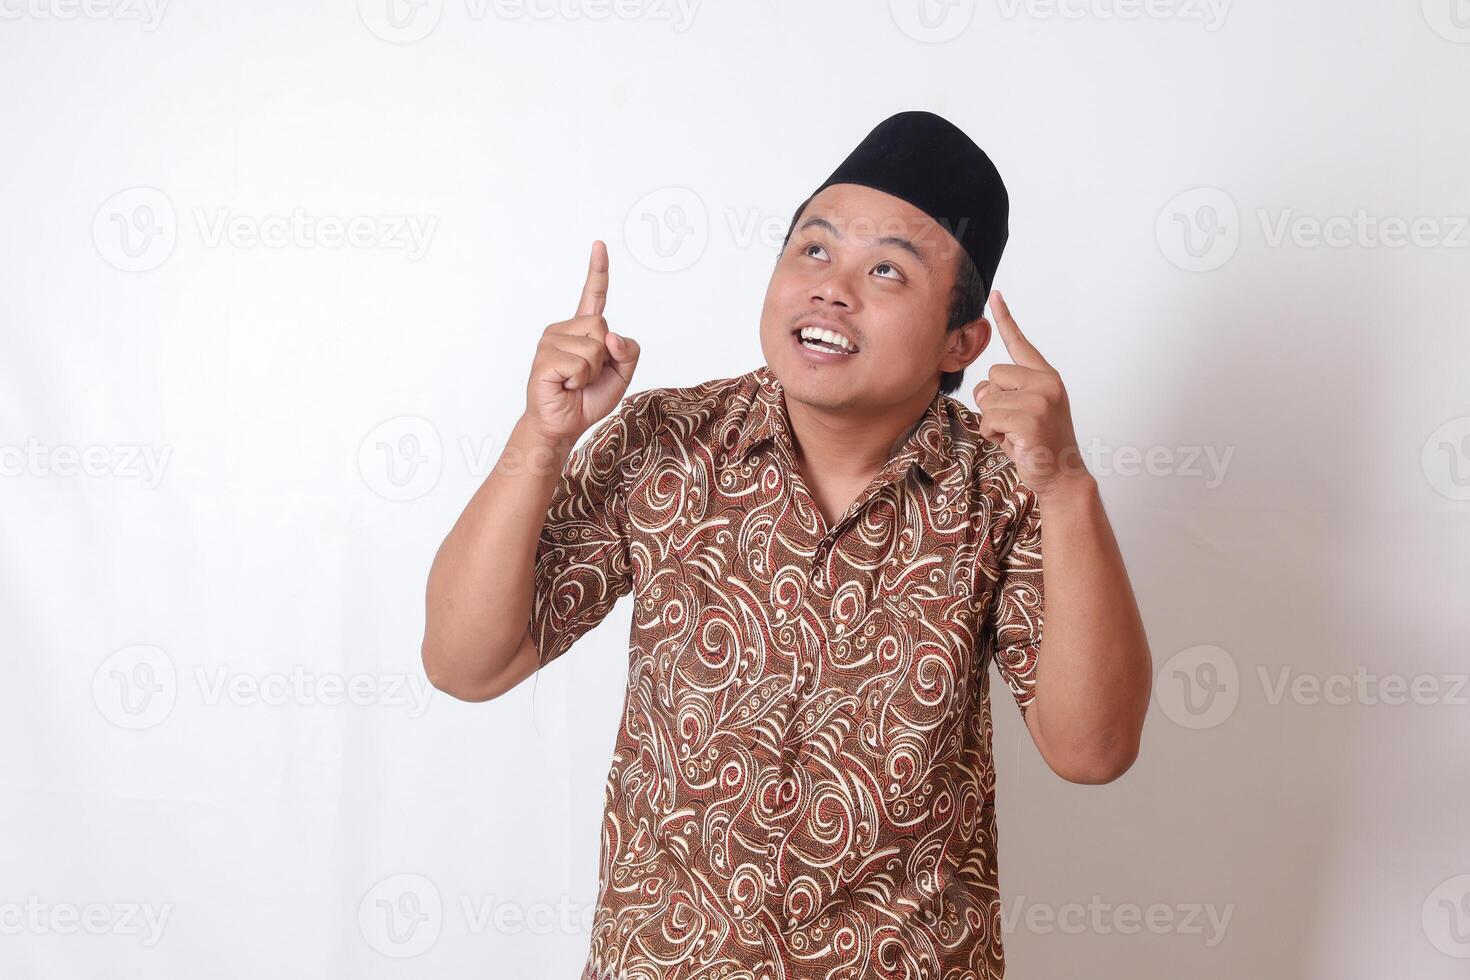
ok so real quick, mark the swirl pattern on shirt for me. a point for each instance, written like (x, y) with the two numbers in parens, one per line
(802, 783)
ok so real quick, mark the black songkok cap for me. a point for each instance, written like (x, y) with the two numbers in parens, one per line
(929, 162)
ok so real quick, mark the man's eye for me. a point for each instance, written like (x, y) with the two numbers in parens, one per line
(888, 265)
(809, 247)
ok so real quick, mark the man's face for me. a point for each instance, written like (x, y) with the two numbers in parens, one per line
(879, 271)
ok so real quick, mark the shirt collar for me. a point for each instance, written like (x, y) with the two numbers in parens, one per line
(929, 445)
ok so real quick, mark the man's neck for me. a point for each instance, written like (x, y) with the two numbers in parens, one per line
(841, 446)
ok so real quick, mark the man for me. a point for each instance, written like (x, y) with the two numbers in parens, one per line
(825, 553)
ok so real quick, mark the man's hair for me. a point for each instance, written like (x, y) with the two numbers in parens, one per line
(966, 300)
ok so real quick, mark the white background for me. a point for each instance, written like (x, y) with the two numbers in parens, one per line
(227, 462)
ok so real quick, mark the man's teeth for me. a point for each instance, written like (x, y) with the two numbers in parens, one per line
(835, 340)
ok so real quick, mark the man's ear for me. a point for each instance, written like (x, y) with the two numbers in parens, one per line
(965, 343)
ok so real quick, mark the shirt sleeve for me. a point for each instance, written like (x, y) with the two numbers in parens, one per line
(1017, 618)
(583, 559)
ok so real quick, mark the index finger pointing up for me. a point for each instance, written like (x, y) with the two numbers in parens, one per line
(1017, 346)
(594, 292)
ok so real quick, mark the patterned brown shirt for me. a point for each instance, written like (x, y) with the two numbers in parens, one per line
(802, 784)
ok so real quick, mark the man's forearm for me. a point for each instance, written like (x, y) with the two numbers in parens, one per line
(1094, 671)
(478, 602)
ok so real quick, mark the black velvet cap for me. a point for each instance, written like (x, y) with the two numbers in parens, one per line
(929, 162)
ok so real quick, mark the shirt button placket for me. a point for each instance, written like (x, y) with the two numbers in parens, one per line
(821, 592)
(804, 681)
(819, 565)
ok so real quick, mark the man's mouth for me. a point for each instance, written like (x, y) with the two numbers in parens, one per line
(821, 339)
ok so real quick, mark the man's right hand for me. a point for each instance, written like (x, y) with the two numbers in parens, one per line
(581, 369)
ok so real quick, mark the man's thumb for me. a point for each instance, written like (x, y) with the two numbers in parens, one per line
(623, 349)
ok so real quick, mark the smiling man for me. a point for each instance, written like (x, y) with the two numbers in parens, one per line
(826, 554)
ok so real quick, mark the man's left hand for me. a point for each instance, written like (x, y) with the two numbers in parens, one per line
(1025, 410)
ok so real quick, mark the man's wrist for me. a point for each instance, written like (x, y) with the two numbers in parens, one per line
(529, 451)
(1070, 490)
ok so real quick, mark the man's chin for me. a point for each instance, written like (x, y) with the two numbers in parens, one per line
(814, 387)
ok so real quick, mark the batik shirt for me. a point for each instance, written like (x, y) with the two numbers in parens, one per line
(802, 783)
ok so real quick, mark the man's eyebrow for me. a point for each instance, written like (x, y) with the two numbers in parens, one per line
(894, 240)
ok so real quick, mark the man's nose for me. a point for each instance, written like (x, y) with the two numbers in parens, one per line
(836, 290)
